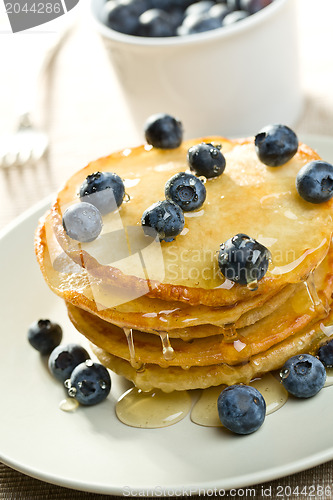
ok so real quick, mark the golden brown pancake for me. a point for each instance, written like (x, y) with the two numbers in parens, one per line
(220, 332)
(248, 197)
(286, 321)
(200, 377)
(78, 287)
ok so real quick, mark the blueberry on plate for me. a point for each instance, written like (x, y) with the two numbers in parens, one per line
(314, 182)
(163, 131)
(325, 354)
(44, 335)
(206, 159)
(104, 190)
(275, 145)
(82, 222)
(303, 375)
(243, 259)
(120, 16)
(155, 23)
(241, 409)
(89, 384)
(186, 190)
(164, 218)
(64, 358)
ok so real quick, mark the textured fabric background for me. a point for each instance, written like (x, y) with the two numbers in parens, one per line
(81, 105)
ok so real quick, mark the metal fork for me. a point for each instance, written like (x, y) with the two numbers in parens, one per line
(26, 145)
(29, 144)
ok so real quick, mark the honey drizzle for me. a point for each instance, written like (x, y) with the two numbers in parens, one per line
(130, 342)
(230, 332)
(154, 409)
(168, 351)
(313, 294)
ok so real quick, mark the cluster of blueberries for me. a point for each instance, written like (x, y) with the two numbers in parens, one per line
(241, 258)
(242, 408)
(88, 382)
(165, 18)
(185, 191)
(302, 375)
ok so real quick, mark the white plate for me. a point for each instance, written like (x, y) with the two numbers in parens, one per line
(90, 449)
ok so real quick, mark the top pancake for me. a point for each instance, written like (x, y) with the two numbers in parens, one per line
(248, 197)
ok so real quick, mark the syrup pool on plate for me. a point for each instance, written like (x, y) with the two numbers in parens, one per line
(154, 409)
(68, 404)
(205, 412)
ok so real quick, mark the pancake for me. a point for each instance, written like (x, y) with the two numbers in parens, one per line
(202, 377)
(248, 197)
(292, 317)
(161, 314)
(81, 289)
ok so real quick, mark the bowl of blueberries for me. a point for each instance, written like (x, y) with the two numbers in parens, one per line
(226, 66)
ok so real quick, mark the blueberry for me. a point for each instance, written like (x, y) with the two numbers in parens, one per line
(234, 17)
(206, 159)
(186, 190)
(136, 6)
(165, 218)
(64, 358)
(243, 259)
(176, 15)
(199, 8)
(104, 190)
(163, 131)
(198, 24)
(253, 6)
(325, 354)
(275, 145)
(155, 23)
(314, 182)
(89, 384)
(303, 375)
(241, 409)
(82, 222)
(120, 16)
(233, 4)
(165, 4)
(44, 335)
(219, 11)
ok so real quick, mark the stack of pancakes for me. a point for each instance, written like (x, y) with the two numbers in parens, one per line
(160, 313)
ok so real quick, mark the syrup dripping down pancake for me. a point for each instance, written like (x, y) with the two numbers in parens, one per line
(290, 318)
(81, 289)
(248, 197)
(200, 377)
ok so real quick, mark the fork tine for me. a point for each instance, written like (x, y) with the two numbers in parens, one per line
(25, 156)
(9, 159)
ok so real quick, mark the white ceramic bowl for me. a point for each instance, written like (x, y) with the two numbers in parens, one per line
(230, 81)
